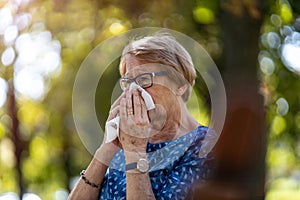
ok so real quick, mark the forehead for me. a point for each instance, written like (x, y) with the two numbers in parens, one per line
(144, 68)
(135, 66)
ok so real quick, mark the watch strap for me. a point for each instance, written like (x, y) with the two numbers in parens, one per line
(131, 166)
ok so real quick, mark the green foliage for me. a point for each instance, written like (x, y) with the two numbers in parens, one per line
(204, 15)
(54, 153)
(283, 154)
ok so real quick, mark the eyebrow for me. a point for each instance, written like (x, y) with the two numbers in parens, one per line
(137, 70)
(125, 76)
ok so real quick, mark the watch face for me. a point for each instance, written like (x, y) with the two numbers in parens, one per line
(143, 165)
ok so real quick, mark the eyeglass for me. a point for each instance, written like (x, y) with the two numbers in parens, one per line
(144, 80)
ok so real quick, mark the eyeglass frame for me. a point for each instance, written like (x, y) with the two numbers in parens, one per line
(152, 74)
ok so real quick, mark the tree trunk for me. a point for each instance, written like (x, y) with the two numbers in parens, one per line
(15, 135)
(240, 151)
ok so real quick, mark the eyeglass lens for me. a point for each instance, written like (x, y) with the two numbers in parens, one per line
(143, 80)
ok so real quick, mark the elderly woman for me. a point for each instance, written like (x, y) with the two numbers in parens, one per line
(157, 152)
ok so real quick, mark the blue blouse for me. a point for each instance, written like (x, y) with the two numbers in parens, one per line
(174, 167)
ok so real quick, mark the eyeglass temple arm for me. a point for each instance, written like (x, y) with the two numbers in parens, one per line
(158, 73)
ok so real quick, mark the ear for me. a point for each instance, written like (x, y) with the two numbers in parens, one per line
(181, 90)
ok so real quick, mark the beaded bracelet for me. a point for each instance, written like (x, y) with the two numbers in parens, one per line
(82, 175)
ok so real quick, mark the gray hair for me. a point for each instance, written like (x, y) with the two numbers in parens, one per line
(164, 49)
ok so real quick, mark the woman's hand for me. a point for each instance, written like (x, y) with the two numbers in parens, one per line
(134, 122)
(106, 151)
(113, 112)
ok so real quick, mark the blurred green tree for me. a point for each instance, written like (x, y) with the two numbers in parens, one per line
(39, 145)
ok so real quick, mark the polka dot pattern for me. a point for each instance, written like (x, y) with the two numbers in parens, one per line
(174, 167)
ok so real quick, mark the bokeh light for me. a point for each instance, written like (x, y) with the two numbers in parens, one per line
(6, 19)
(273, 40)
(61, 194)
(38, 58)
(203, 15)
(285, 11)
(290, 52)
(290, 56)
(276, 20)
(10, 34)
(9, 196)
(282, 106)
(290, 48)
(7, 153)
(116, 28)
(31, 196)
(278, 125)
(73, 181)
(3, 91)
(8, 56)
(267, 65)
(286, 30)
(29, 83)
(30, 57)
(23, 20)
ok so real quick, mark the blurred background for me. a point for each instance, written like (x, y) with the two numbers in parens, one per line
(255, 44)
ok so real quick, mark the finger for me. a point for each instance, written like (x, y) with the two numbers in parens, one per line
(137, 105)
(144, 111)
(114, 112)
(117, 101)
(123, 113)
(129, 106)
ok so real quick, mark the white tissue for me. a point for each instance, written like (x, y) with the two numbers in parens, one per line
(112, 126)
(145, 95)
(112, 129)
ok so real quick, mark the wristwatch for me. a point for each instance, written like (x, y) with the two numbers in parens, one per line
(142, 165)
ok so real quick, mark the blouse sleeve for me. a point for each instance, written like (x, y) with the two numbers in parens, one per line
(189, 170)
